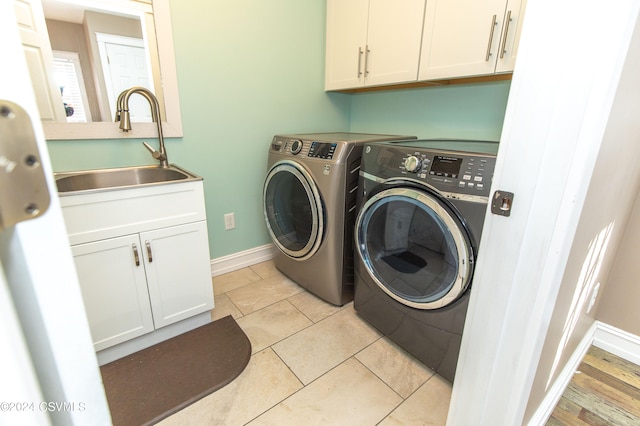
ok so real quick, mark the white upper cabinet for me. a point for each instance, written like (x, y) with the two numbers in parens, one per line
(470, 37)
(372, 42)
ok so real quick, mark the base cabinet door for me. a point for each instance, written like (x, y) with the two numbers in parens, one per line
(114, 288)
(178, 272)
(135, 284)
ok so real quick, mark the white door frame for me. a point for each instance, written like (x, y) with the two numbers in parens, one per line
(571, 56)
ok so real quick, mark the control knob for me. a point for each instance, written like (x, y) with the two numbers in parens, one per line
(412, 163)
(296, 146)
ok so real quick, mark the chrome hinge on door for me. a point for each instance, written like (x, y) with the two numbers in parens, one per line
(23, 185)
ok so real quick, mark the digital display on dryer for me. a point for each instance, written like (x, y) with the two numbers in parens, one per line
(322, 150)
(446, 166)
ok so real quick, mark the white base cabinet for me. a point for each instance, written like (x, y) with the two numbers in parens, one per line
(142, 257)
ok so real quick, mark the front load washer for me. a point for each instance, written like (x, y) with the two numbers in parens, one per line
(421, 205)
(309, 200)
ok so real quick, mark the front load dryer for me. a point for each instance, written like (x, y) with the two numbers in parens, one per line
(309, 200)
(422, 205)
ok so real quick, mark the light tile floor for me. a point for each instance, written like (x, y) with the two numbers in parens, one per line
(312, 363)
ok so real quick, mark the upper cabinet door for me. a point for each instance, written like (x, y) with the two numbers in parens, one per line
(393, 41)
(346, 39)
(464, 37)
(372, 42)
(510, 37)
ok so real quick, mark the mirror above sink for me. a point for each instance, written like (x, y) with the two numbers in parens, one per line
(100, 23)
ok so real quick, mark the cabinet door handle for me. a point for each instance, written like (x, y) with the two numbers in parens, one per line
(149, 251)
(136, 258)
(493, 27)
(366, 61)
(359, 61)
(503, 49)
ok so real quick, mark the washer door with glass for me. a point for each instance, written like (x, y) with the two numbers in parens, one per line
(414, 247)
(293, 210)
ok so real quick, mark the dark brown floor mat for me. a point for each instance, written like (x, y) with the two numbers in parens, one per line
(149, 385)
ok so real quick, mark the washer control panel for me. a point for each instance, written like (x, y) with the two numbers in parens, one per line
(305, 148)
(324, 150)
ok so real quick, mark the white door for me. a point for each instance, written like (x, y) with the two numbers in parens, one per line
(43, 319)
(125, 65)
(37, 51)
(19, 379)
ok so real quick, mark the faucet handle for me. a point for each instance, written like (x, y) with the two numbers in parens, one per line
(157, 155)
(146, 145)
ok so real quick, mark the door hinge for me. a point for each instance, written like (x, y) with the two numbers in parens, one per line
(23, 185)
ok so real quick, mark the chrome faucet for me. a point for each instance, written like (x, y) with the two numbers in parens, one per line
(122, 115)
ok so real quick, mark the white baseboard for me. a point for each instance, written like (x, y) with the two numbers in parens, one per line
(556, 390)
(604, 336)
(242, 259)
(618, 342)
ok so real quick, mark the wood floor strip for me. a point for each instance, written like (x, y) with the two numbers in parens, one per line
(613, 365)
(604, 391)
(595, 404)
(613, 381)
(563, 418)
(613, 390)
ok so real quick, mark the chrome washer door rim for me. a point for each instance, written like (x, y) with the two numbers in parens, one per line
(315, 202)
(458, 234)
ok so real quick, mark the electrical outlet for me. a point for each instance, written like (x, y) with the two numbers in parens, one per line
(229, 221)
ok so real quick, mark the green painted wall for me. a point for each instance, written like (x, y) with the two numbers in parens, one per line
(457, 111)
(248, 70)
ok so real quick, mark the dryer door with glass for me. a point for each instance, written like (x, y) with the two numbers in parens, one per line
(415, 247)
(293, 210)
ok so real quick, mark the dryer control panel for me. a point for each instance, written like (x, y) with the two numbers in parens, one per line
(462, 171)
(439, 164)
